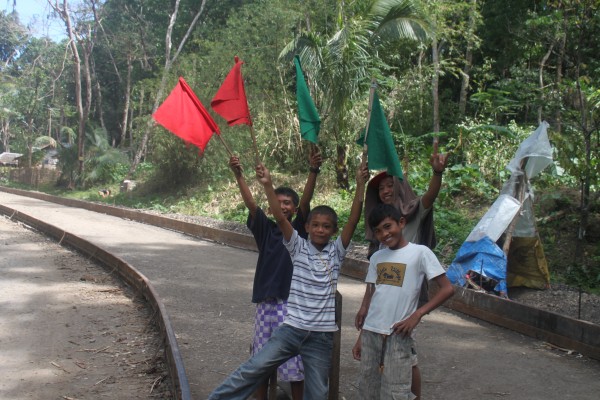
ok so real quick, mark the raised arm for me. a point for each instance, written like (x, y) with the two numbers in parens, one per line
(438, 164)
(264, 177)
(236, 167)
(315, 167)
(362, 175)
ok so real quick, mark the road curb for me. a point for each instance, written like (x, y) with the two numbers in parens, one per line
(580, 336)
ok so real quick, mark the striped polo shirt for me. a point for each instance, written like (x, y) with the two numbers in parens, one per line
(311, 303)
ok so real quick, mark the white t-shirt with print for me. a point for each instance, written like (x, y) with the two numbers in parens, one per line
(398, 275)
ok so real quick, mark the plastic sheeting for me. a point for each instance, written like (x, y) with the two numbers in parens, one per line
(480, 253)
(538, 151)
(496, 219)
(483, 257)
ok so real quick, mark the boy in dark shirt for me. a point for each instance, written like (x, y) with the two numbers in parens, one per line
(273, 273)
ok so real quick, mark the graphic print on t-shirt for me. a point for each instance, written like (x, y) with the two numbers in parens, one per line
(389, 273)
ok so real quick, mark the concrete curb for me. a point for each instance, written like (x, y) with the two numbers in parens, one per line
(562, 331)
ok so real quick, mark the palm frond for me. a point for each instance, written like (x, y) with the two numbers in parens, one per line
(399, 19)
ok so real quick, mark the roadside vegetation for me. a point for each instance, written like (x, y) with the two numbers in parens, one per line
(478, 75)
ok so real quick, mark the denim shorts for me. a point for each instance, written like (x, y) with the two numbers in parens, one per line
(386, 366)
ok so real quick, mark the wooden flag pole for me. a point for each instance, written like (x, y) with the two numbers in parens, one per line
(225, 144)
(256, 157)
(371, 95)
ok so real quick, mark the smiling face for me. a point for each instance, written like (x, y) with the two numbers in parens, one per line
(321, 228)
(389, 233)
(386, 190)
(287, 206)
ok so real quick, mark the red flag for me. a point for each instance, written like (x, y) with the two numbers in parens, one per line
(183, 114)
(230, 100)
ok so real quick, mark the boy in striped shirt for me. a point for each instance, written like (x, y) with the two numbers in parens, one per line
(310, 322)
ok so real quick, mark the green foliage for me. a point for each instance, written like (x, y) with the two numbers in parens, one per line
(175, 163)
(452, 226)
(103, 163)
(528, 62)
(585, 276)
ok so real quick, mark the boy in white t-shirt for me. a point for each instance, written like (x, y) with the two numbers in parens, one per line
(389, 314)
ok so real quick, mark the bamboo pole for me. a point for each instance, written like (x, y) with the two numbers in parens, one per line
(256, 157)
(225, 144)
(370, 108)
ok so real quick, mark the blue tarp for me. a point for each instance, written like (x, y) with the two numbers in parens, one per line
(483, 257)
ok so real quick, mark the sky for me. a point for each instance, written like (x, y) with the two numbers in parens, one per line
(34, 15)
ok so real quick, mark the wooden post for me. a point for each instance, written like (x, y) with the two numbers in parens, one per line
(334, 372)
(370, 107)
(273, 386)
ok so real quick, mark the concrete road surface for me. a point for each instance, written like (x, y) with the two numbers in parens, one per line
(206, 288)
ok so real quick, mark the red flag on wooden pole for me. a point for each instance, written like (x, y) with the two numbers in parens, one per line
(183, 114)
(230, 100)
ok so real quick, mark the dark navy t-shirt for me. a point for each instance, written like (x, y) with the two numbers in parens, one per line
(274, 266)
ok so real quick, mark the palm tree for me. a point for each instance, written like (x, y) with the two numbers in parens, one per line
(341, 66)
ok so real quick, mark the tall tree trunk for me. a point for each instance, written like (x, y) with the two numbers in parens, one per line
(466, 71)
(341, 166)
(435, 85)
(585, 178)
(98, 90)
(421, 90)
(559, 74)
(126, 106)
(63, 11)
(5, 134)
(167, 68)
(541, 80)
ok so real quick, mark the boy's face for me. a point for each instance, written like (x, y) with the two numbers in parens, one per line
(389, 232)
(320, 229)
(386, 190)
(287, 206)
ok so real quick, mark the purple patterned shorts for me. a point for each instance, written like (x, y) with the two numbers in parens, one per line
(269, 315)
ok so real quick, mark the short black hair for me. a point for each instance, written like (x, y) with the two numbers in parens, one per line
(381, 212)
(323, 210)
(287, 191)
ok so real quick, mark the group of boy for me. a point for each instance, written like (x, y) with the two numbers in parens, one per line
(296, 279)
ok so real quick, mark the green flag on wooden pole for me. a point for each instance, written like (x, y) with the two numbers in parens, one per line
(310, 123)
(381, 152)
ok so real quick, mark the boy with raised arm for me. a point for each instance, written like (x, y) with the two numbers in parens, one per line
(273, 273)
(389, 311)
(310, 322)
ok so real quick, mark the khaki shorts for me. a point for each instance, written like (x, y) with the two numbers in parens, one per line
(386, 367)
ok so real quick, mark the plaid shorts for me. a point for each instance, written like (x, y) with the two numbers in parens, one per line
(386, 366)
(269, 315)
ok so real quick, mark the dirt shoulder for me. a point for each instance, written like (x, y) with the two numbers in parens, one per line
(70, 330)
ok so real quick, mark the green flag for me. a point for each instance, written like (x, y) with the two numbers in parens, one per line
(381, 152)
(310, 123)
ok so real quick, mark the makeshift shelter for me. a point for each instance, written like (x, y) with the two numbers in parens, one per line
(10, 159)
(504, 248)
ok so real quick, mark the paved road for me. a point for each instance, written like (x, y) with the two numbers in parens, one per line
(206, 289)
